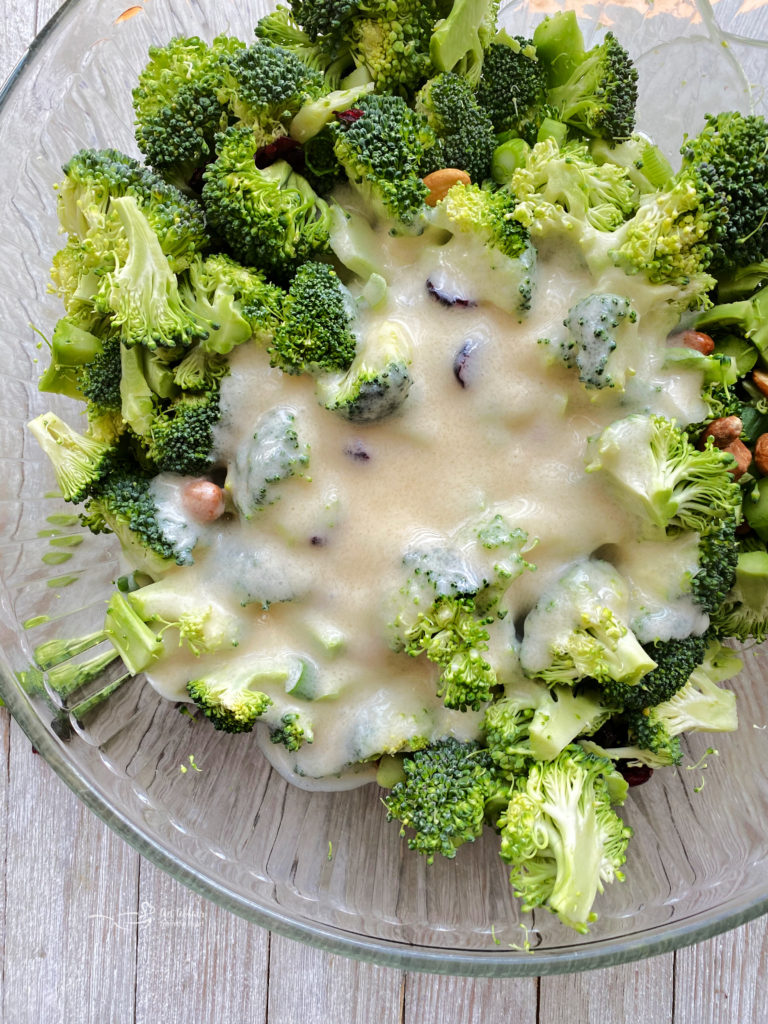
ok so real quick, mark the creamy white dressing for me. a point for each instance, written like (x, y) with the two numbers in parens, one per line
(317, 571)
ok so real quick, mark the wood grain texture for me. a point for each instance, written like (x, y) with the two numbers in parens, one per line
(88, 935)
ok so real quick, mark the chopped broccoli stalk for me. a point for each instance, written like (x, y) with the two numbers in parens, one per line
(512, 88)
(465, 136)
(315, 333)
(454, 636)
(744, 612)
(72, 347)
(442, 797)
(355, 243)
(78, 461)
(314, 115)
(578, 629)
(137, 644)
(593, 324)
(271, 217)
(138, 402)
(670, 484)
(378, 381)
(382, 146)
(561, 836)
(178, 114)
(460, 40)
(229, 697)
(274, 453)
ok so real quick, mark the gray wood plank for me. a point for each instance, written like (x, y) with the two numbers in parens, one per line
(728, 975)
(640, 993)
(429, 999)
(195, 961)
(312, 987)
(70, 933)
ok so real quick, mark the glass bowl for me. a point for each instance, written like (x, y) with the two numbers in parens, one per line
(326, 868)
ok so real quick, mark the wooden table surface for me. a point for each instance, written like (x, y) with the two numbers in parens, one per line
(92, 934)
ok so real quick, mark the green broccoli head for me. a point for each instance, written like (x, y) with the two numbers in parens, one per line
(178, 114)
(271, 218)
(382, 144)
(443, 797)
(465, 136)
(327, 54)
(273, 453)
(293, 731)
(593, 325)
(674, 660)
(315, 333)
(226, 696)
(718, 557)
(180, 439)
(390, 39)
(79, 462)
(512, 87)
(744, 612)
(658, 472)
(578, 630)
(561, 836)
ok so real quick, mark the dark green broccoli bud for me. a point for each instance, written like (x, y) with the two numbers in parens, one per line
(600, 94)
(323, 18)
(647, 731)
(460, 40)
(94, 179)
(293, 732)
(465, 137)
(561, 836)
(381, 144)
(124, 505)
(315, 332)
(744, 612)
(674, 660)
(79, 462)
(513, 84)
(668, 482)
(99, 379)
(718, 556)
(442, 797)
(593, 324)
(227, 696)
(181, 437)
(270, 217)
(178, 113)
(578, 629)
(324, 54)
(377, 382)
(265, 86)
(390, 39)
(274, 453)
(454, 636)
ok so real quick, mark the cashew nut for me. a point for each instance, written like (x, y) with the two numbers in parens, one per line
(441, 182)
(723, 431)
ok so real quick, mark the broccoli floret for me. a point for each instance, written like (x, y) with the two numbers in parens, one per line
(315, 333)
(265, 86)
(442, 797)
(314, 115)
(668, 482)
(142, 293)
(274, 453)
(465, 137)
(378, 381)
(180, 439)
(202, 624)
(600, 94)
(294, 730)
(533, 720)
(271, 218)
(744, 612)
(124, 505)
(228, 695)
(323, 18)
(72, 348)
(644, 164)
(561, 836)
(562, 187)
(99, 379)
(454, 636)
(748, 316)
(325, 54)
(178, 113)
(718, 555)
(674, 660)
(593, 325)
(512, 88)
(484, 234)
(137, 644)
(460, 40)
(390, 39)
(79, 462)
(381, 144)
(95, 178)
(578, 629)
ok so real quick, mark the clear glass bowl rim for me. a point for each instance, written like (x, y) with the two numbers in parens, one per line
(660, 940)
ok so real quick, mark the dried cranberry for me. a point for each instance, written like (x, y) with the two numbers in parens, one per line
(349, 116)
(635, 775)
(283, 148)
(448, 300)
(357, 451)
(461, 368)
